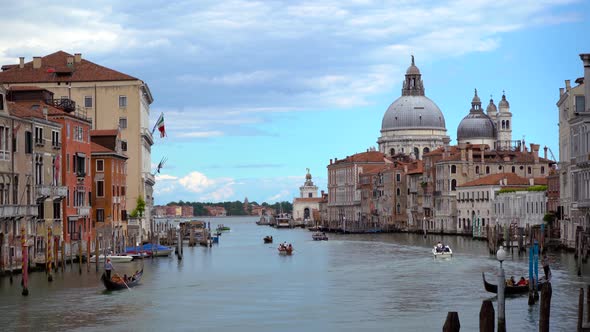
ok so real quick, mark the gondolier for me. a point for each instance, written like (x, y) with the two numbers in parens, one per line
(108, 267)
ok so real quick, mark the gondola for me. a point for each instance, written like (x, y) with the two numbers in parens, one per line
(508, 290)
(268, 239)
(116, 283)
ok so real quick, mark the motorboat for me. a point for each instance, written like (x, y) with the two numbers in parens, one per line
(113, 258)
(319, 236)
(442, 251)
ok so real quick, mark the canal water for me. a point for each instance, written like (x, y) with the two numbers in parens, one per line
(351, 282)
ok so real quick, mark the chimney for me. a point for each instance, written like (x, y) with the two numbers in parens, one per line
(36, 62)
(561, 92)
(567, 85)
(545, 152)
(535, 151)
(322, 194)
(586, 59)
(330, 161)
(21, 63)
(78, 57)
(70, 61)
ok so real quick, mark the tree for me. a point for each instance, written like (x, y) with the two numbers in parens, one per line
(139, 208)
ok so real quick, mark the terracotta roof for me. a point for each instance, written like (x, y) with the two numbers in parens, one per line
(374, 169)
(25, 88)
(27, 109)
(309, 199)
(369, 156)
(104, 132)
(54, 69)
(418, 167)
(99, 148)
(511, 180)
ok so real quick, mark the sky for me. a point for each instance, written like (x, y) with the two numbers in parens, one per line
(255, 92)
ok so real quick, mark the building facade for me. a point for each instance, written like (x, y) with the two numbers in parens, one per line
(110, 100)
(307, 203)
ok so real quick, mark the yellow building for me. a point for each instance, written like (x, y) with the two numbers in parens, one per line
(110, 99)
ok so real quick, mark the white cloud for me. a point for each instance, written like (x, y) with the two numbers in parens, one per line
(165, 177)
(196, 182)
(284, 194)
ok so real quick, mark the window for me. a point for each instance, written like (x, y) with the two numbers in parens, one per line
(122, 123)
(100, 188)
(68, 130)
(487, 169)
(79, 165)
(55, 139)
(453, 169)
(100, 165)
(542, 169)
(39, 169)
(56, 210)
(476, 169)
(4, 143)
(100, 215)
(513, 169)
(39, 136)
(530, 170)
(122, 101)
(398, 177)
(453, 185)
(124, 146)
(28, 142)
(123, 191)
(1, 101)
(580, 104)
(88, 101)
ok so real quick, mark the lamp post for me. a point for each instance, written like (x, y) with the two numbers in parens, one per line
(501, 256)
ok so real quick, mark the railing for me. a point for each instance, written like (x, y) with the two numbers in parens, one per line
(43, 191)
(148, 177)
(60, 191)
(65, 104)
(145, 133)
(83, 211)
(8, 211)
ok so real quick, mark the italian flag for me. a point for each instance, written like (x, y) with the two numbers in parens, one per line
(160, 126)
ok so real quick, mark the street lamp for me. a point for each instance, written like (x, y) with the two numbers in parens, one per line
(501, 256)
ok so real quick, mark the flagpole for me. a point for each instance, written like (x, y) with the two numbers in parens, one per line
(156, 124)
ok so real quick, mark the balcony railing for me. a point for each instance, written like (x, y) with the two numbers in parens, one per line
(47, 191)
(83, 211)
(11, 211)
(147, 135)
(65, 104)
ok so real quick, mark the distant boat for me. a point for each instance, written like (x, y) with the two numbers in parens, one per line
(442, 251)
(113, 258)
(318, 236)
(282, 220)
(222, 228)
(268, 239)
(285, 250)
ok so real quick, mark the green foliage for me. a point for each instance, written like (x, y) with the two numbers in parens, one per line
(531, 188)
(139, 208)
(235, 208)
(549, 217)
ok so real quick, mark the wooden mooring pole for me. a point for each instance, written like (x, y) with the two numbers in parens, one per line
(487, 317)
(545, 309)
(452, 323)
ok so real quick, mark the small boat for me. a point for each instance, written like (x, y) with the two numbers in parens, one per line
(442, 251)
(268, 239)
(222, 228)
(116, 281)
(215, 239)
(139, 254)
(155, 250)
(113, 258)
(319, 236)
(508, 290)
(285, 250)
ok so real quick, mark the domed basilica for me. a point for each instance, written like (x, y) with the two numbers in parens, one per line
(414, 125)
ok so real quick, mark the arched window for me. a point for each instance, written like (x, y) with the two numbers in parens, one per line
(398, 209)
(542, 169)
(453, 169)
(453, 184)
(507, 124)
(513, 169)
(425, 150)
(417, 153)
(503, 124)
(476, 169)
(392, 152)
(529, 170)
(398, 192)
(487, 169)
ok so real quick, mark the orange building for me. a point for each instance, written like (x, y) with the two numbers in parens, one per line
(109, 169)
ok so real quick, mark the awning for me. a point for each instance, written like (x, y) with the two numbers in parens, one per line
(80, 154)
(73, 218)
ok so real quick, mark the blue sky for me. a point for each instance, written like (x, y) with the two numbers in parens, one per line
(254, 92)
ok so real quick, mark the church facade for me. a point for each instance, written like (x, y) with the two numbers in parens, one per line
(306, 207)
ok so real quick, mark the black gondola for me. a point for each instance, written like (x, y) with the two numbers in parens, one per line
(117, 283)
(508, 290)
(268, 239)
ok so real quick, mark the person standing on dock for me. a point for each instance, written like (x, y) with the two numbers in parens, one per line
(108, 266)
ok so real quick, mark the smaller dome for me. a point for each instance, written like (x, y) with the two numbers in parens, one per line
(491, 107)
(504, 102)
(476, 125)
(412, 69)
(476, 99)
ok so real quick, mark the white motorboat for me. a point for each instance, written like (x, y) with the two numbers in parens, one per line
(113, 258)
(442, 252)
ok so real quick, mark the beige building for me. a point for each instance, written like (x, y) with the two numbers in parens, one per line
(307, 203)
(110, 99)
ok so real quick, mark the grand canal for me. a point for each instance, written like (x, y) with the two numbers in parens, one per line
(351, 282)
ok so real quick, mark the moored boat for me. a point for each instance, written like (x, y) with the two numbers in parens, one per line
(155, 250)
(138, 254)
(113, 258)
(116, 282)
(319, 236)
(508, 290)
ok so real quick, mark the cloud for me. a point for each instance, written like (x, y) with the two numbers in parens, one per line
(280, 196)
(165, 177)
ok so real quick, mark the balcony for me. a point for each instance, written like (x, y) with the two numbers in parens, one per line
(117, 200)
(11, 211)
(149, 178)
(56, 146)
(65, 104)
(147, 136)
(43, 191)
(584, 203)
(61, 191)
(83, 211)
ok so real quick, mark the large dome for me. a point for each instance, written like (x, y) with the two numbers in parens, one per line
(413, 112)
